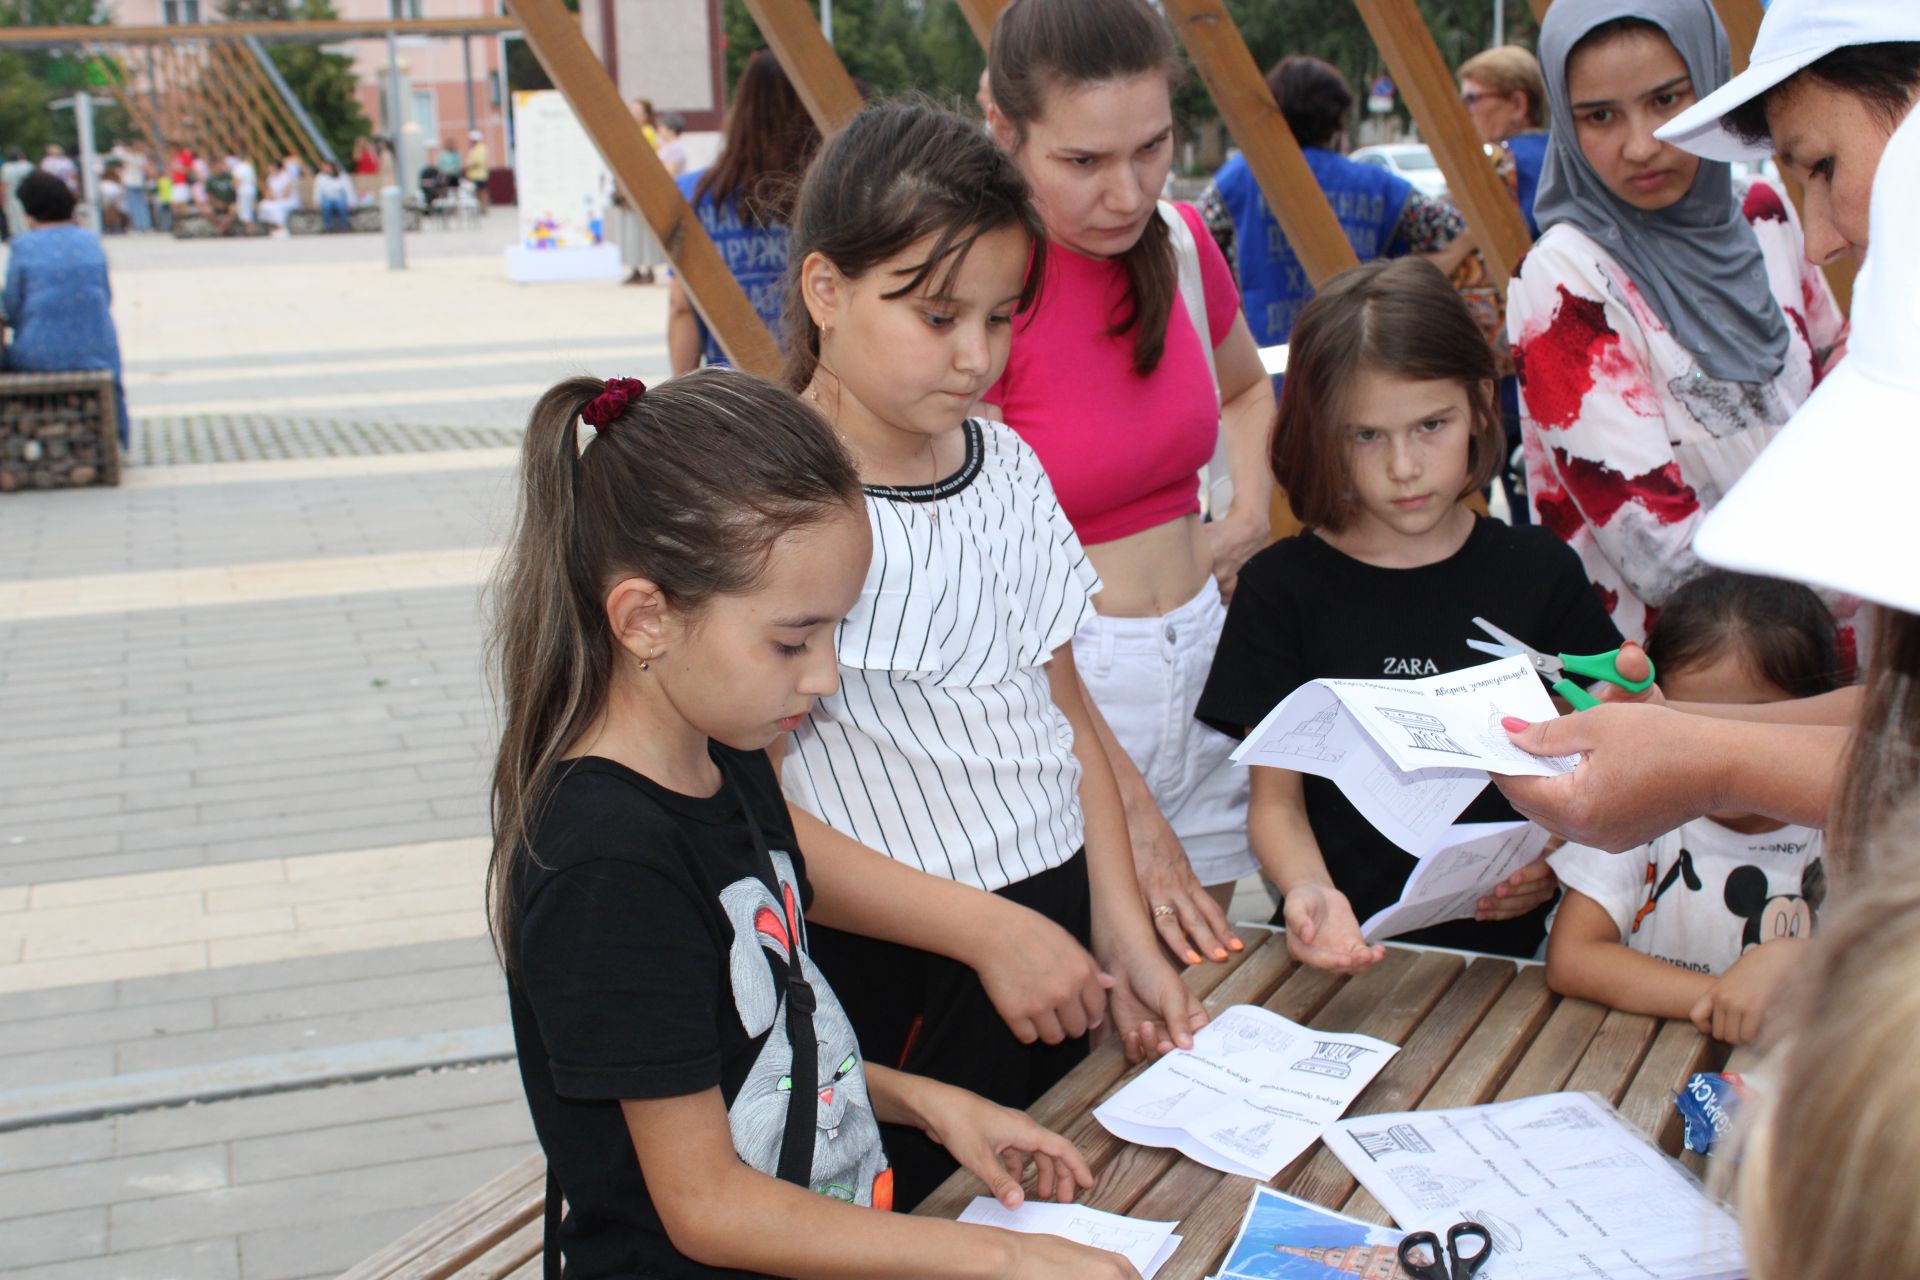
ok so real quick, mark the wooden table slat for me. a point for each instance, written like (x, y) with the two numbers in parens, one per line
(1413, 1070)
(1677, 1052)
(1614, 1056)
(1555, 1050)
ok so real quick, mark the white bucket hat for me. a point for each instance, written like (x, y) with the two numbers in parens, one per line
(1793, 35)
(1831, 501)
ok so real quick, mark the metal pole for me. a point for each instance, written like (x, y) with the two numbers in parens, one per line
(466, 66)
(1499, 23)
(307, 125)
(392, 210)
(89, 183)
(826, 19)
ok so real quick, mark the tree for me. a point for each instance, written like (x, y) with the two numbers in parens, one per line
(324, 82)
(30, 80)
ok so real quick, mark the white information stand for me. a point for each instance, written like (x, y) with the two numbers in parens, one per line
(565, 195)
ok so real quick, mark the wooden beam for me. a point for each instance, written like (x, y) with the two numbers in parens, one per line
(321, 32)
(981, 15)
(1539, 9)
(556, 40)
(825, 88)
(137, 111)
(1472, 183)
(1741, 18)
(246, 116)
(260, 91)
(1254, 119)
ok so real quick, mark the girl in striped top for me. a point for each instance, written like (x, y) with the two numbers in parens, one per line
(960, 743)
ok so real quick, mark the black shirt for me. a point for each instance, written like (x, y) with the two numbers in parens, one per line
(1304, 611)
(651, 963)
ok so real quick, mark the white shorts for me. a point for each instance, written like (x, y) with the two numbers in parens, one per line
(1145, 675)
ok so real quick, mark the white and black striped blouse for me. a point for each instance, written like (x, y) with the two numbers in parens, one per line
(943, 747)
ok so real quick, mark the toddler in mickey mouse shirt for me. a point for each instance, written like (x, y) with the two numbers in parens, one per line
(1705, 921)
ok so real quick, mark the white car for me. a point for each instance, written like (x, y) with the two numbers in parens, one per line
(1412, 161)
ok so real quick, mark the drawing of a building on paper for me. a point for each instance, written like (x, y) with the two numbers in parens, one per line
(1563, 1117)
(1248, 1140)
(1242, 1034)
(1506, 1234)
(1399, 1137)
(1308, 739)
(1331, 1058)
(1427, 733)
(1430, 1190)
(1162, 1107)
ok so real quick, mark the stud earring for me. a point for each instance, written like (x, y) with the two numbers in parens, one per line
(645, 665)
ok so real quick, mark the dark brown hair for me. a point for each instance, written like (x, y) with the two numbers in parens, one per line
(690, 487)
(1882, 767)
(1400, 318)
(1313, 96)
(1042, 45)
(896, 175)
(769, 139)
(1885, 76)
(1782, 631)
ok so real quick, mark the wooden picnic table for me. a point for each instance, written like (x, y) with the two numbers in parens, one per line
(1471, 1029)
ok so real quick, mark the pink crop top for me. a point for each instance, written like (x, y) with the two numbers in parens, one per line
(1123, 452)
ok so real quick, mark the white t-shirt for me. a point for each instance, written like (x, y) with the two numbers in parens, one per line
(943, 748)
(1700, 896)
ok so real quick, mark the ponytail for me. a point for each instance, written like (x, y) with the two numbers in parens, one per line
(1039, 46)
(689, 485)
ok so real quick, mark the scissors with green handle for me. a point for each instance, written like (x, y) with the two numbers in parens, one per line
(1556, 668)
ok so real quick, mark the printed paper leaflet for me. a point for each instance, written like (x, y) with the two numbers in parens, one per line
(1147, 1245)
(1282, 1238)
(1253, 1092)
(1471, 858)
(1568, 1190)
(1408, 754)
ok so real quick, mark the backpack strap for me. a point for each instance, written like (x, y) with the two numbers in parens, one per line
(1216, 489)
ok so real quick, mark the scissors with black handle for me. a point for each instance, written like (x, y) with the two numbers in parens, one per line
(1421, 1254)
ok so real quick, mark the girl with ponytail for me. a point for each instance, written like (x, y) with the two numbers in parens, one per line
(666, 609)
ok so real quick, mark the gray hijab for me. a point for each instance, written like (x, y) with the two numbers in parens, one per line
(1696, 263)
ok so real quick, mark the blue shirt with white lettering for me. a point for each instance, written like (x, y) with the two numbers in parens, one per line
(1366, 199)
(755, 254)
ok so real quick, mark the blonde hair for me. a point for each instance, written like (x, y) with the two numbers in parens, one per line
(1829, 1175)
(1511, 69)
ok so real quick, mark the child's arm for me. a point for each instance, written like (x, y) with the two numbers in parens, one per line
(1042, 982)
(1734, 1007)
(1197, 924)
(1322, 931)
(990, 1141)
(721, 1212)
(1147, 993)
(1586, 958)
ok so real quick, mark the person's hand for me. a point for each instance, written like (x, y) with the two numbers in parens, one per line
(1153, 1011)
(1519, 893)
(1231, 542)
(1042, 982)
(1634, 664)
(1192, 924)
(1322, 932)
(1044, 1257)
(994, 1143)
(1642, 774)
(1734, 1009)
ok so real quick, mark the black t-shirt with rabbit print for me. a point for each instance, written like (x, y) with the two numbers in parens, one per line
(651, 962)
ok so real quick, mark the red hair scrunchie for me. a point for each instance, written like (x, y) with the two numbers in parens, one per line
(612, 401)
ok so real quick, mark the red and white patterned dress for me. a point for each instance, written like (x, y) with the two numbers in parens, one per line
(1629, 443)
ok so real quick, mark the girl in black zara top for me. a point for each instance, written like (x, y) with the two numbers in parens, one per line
(1386, 427)
(666, 609)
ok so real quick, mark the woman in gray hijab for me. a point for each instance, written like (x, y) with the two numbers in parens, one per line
(1665, 324)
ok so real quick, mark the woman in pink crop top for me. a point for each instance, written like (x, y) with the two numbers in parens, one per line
(1110, 383)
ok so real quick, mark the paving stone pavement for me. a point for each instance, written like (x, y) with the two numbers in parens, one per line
(158, 441)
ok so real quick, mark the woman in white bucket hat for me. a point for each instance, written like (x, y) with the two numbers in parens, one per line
(1828, 82)
(1828, 504)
